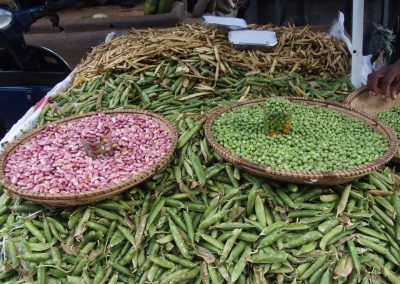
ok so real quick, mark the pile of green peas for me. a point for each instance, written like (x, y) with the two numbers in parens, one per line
(277, 114)
(320, 140)
(392, 118)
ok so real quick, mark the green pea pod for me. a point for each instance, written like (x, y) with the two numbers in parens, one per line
(237, 250)
(391, 276)
(385, 204)
(232, 226)
(198, 169)
(214, 170)
(328, 224)
(343, 199)
(270, 228)
(185, 137)
(181, 261)
(41, 275)
(373, 246)
(229, 244)
(212, 219)
(313, 268)
(35, 231)
(46, 230)
(316, 277)
(271, 238)
(372, 233)
(260, 211)
(212, 241)
(326, 277)
(181, 276)
(306, 238)
(80, 266)
(302, 213)
(189, 225)
(240, 265)
(12, 253)
(231, 175)
(251, 199)
(248, 237)
(309, 247)
(302, 268)
(116, 239)
(60, 228)
(395, 201)
(308, 195)
(177, 220)
(80, 228)
(385, 218)
(275, 257)
(178, 239)
(154, 212)
(285, 198)
(296, 227)
(329, 197)
(56, 256)
(354, 255)
(330, 235)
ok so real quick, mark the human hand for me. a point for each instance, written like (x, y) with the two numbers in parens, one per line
(386, 81)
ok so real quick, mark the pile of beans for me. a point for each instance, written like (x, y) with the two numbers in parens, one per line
(392, 118)
(56, 161)
(277, 115)
(319, 139)
(241, 230)
(201, 220)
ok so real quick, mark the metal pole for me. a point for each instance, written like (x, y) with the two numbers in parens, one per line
(357, 41)
(386, 13)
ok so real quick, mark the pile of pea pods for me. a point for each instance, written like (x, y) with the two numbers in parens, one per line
(205, 221)
(202, 220)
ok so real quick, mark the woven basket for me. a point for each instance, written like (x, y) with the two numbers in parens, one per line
(373, 105)
(321, 178)
(71, 199)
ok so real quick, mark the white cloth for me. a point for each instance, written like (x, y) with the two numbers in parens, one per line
(337, 30)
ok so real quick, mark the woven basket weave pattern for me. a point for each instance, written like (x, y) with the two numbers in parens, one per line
(71, 199)
(373, 105)
(322, 178)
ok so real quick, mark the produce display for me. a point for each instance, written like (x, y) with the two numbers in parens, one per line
(202, 220)
(319, 139)
(298, 51)
(91, 153)
(392, 118)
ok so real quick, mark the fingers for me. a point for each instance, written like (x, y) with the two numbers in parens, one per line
(386, 84)
(395, 90)
(373, 80)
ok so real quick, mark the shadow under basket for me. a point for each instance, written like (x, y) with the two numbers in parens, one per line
(73, 199)
(372, 105)
(302, 177)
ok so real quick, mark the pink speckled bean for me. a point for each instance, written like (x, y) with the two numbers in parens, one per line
(55, 160)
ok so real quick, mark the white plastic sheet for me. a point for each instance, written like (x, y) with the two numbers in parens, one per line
(337, 30)
(31, 117)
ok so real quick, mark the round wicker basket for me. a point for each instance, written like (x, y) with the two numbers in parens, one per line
(72, 199)
(320, 178)
(373, 105)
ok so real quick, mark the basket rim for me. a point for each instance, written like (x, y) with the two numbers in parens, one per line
(350, 98)
(303, 175)
(114, 189)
